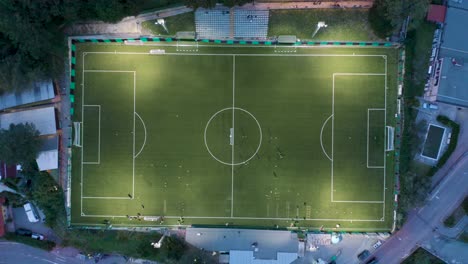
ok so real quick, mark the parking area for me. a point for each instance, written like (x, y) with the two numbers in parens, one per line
(345, 251)
(21, 221)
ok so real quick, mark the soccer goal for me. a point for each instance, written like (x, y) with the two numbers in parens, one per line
(77, 138)
(390, 138)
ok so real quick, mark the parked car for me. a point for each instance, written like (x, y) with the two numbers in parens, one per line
(430, 106)
(377, 244)
(23, 232)
(30, 213)
(372, 261)
(37, 236)
(363, 255)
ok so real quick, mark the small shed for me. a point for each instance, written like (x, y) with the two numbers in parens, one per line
(437, 13)
(48, 155)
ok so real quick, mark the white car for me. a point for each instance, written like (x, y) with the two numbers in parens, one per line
(30, 213)
(37, 236)
(430, 106)
(377, 245)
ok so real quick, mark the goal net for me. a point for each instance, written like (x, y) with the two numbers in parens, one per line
(77, 138)
(390, 138)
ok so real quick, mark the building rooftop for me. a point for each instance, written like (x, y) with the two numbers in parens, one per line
(455, 39)
(42, 118)
(39, 91)
(48, 155)
(269, 242)
(437, 13)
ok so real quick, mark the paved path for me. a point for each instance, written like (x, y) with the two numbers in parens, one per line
(309, 5)
(4, 188)
(129, 26)
(12, 252)
(422, 223)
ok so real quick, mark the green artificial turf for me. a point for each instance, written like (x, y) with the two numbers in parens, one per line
(308, 136)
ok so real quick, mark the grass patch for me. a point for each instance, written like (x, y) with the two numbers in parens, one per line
(457, 215)
(343, 25)
(182, 22)
(463, 237)
(421, 256)
(44, 244)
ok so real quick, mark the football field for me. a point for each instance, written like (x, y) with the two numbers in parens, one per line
(191, 134)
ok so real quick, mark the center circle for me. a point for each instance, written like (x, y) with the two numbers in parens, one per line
(226, 134)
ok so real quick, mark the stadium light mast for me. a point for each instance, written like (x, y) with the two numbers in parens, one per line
(320, 24)
(161, 22)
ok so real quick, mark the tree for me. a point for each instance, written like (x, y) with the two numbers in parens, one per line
(19, 144)
(48, 196)
(387, 16)
(379, 24)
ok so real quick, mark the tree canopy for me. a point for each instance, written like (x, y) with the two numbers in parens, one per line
(32, 43)
(19, 144)
(387, 16)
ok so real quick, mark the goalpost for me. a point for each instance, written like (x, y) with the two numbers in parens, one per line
(390, 138)
(77, 138)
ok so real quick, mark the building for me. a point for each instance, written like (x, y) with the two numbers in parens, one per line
(7, 171)
(452, 72)
(38, 92)
(437, 13)
(2, 216)
(45, 122)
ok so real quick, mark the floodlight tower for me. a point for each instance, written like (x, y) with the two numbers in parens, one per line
(161, 22)
(320, 24)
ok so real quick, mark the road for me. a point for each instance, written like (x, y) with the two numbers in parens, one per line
(12, 252)
(422, 224)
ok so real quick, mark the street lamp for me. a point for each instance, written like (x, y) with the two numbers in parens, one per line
(320, 24)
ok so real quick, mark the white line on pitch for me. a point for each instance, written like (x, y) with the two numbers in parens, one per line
(112, 198)
(240, 54)
(233, 133)
(134, 111)
(248, 218)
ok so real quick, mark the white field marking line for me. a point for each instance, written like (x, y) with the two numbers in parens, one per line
(333, 135)
(234, 131)
(425, 139)
(368, 117)
(267, 47)
(109, 71)
(82, 127)
(144, 128)
(370, 202)
(296, 55)
(385, 137)
(134, 111)
(99, 136)
(113, 198)
(240, 54)
(321, 142)
(259, 129)
(247, 218)
(333, 128)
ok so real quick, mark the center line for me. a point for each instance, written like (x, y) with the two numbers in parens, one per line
(233, 133)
